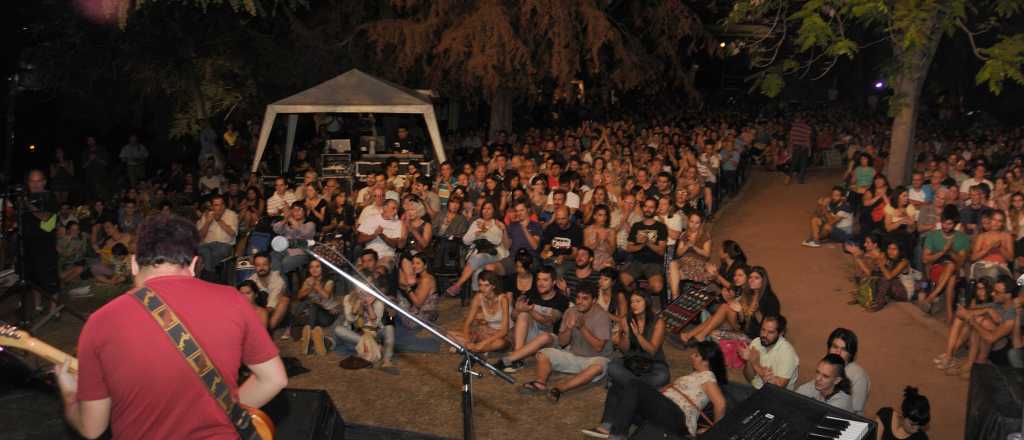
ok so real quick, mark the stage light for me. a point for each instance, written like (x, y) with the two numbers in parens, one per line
(722, 44)
(32, 147)
(879, 85)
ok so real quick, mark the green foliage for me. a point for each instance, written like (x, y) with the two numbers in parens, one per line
(1003, 63)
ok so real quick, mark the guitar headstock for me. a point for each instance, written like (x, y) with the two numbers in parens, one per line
(12, 336)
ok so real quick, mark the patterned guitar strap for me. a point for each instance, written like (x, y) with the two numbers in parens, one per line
(198, 361)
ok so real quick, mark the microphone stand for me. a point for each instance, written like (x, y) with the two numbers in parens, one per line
(468, 357)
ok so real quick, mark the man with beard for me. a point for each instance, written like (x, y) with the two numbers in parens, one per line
(537, 314)
(830, 384)
(584, 273)
(647, 243)
(585, 334)
(272, 283)
(945, 250)
(771, 358)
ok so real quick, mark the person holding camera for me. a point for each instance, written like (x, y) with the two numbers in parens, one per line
(37, 224)
(218, 229)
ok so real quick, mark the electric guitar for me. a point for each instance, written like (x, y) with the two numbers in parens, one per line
(11, 336)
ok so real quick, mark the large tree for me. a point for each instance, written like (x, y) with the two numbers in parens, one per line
(807, 38)
(510, 52)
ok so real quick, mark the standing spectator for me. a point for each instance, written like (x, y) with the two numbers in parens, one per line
(94, 169)
(62, 174)
(134, 156)
(218, 229)
(800, 134)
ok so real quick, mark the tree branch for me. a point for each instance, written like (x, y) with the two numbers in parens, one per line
(970, 37)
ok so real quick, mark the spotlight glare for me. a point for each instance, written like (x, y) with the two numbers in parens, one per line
(879, 85)
(722, 44)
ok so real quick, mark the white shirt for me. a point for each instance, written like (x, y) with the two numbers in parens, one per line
(216, 232)
(274, 286)
(278, 204)
(965, 187)
(781, 358)
(572, 200)
(392, 230)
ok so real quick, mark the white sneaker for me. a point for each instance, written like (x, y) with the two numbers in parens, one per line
(811, 243)
(81, 292)
(593, 433)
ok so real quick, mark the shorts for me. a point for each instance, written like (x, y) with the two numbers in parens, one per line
(645, 270)
(563, 361)
(839, 236)
(935, 271)
(535, 330)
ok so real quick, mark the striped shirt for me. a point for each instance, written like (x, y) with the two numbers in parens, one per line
(800, 134)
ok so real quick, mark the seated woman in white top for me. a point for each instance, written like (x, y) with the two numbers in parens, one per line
(487, 323)
(363, 313)
(843, 342)
(676, 407)
(488, 238)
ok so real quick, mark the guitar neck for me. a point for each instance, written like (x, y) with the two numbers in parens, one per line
(50, 353)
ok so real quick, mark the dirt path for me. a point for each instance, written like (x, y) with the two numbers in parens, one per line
(896, 344)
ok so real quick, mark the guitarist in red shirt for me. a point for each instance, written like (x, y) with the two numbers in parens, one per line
(134, 378)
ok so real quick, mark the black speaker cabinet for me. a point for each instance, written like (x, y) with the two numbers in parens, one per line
(994, 402)
(305, 415)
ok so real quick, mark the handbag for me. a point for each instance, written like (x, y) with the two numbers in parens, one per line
(866, 294)
(483, 246)
(247, 421)
(638, 364)
(731, 351)
(367, 347)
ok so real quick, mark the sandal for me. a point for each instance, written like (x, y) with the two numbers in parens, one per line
(947, 364)
(554, 394)
(535, 386)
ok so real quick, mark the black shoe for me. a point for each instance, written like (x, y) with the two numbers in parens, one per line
(512, 367)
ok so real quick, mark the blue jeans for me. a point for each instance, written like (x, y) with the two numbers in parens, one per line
(285, 263)
(477, 262)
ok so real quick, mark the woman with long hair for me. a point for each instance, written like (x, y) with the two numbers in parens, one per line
(421, 297)
(675, 407)
(894, 269)
(640, 339)
(342, 216)
(490, 242)
(899, 222)
(316, 206)
(486, 327)
(732, 256)
(600, 238)
(873, 203)
(992, 252)
(693, 249)
(450, 222)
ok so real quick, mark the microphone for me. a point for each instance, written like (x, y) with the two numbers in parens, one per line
(281, 243)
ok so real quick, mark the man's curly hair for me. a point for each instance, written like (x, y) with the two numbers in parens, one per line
(166, 238)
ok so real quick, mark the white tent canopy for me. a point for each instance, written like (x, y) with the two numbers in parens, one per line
(351, 92)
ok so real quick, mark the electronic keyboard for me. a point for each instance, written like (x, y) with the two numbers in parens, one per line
(773, 413)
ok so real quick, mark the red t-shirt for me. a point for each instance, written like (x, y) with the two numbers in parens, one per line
(124, 355)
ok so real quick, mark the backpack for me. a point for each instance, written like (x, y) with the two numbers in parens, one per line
(866, 294)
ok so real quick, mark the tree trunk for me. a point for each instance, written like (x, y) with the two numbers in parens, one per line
(905, 104)
(501, 111)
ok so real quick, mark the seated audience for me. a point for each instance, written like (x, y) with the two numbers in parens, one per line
(832, 219)
(693, 250)
(486, 327)
(945, 252)
(647, 244)
(843, 343)
(585, 345)
(771, 358)
(488, 240)
(256, 297)
(218, 229)
(295, 227)
(830, 384)
(640, 340)
(273, 283)
(536, 316)
(907, 423)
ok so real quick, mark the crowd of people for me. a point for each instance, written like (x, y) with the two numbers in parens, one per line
(950, 241)
(568, 242)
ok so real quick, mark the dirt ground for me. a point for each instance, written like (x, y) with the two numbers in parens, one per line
(769, 220)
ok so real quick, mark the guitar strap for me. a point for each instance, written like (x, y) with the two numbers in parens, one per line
(197, 360)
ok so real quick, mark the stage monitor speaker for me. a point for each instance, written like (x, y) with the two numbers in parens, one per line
(305, 415)
(994, 402)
